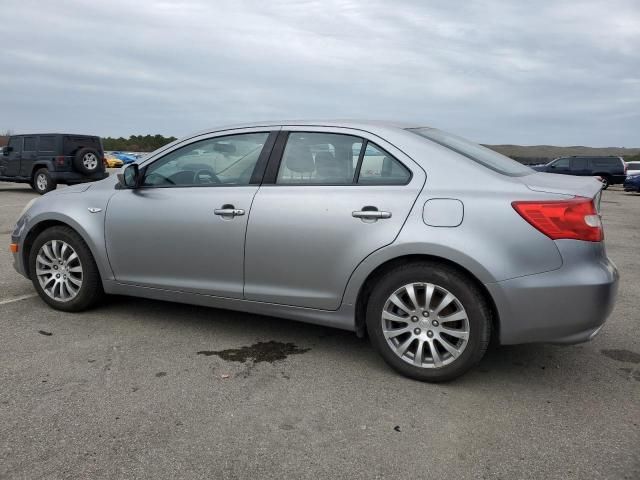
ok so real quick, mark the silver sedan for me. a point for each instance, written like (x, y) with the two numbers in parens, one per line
(429, 244)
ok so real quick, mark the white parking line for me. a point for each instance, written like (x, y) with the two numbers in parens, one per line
(15, 205)
(18, 298)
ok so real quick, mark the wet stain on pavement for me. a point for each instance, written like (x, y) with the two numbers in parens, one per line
(258, 352)
(622, 355)
(161, 374)
(42, 332)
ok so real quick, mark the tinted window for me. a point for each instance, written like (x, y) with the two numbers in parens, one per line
(561, 163)
(378, 167)
(216, 161)
(16, 144)
(72, 143)
(475, 152)
(580, 164)
(319, 158)
(30, 144)
(47, 144)
(633, 165)
(605, 162)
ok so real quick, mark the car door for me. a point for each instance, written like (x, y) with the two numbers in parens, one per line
(184, 228)
(580, 166)
(12, 165)
(332, 198)
(29, 155)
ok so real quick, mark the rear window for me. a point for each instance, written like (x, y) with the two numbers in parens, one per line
(479, 154)
(47, 144)
(72, 143)
(633, 165)
(30, 144)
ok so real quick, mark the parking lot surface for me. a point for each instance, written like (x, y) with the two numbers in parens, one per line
(146, 389)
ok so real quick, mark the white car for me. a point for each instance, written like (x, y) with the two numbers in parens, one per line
(633, 168)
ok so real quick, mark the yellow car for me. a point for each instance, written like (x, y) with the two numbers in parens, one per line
(113, 162)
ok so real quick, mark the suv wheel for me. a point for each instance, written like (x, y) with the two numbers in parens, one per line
(606, 181)
(428, 321)
(63, 270)
(42, 181)
(87, 161)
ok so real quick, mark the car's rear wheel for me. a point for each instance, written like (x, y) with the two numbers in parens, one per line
(87, 160)
(63, 270)
(606, 181)
(42, 181)
(428, 321)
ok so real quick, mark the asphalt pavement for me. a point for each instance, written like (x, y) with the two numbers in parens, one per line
(146, 389)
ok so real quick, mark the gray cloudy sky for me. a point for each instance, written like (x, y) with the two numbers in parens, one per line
(529, 72)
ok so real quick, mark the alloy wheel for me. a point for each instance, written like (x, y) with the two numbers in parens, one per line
(425, 325)
(41, 181)
(59, 270)
(90, 161)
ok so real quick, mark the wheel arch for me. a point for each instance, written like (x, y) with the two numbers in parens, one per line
(37, 166)
(40, 226)
(367, 286)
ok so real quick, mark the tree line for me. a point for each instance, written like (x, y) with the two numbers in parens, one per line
(136, 143)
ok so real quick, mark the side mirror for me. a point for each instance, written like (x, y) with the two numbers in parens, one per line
(130, 176)
(6, 150)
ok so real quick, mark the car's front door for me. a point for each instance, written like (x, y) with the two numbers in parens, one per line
(337, 197)
(12, 165)
(184, 228)
(562, 165)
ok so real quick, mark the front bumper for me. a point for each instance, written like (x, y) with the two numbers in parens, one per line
(568, 305)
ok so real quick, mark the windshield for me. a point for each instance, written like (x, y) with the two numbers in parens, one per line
(479, 154)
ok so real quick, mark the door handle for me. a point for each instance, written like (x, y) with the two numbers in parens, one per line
(228, 211)
(370, 214)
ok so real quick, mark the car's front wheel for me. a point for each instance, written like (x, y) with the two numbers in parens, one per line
(63, 270)
(428, 321)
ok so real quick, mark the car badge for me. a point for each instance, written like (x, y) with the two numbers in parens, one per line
(94, 209)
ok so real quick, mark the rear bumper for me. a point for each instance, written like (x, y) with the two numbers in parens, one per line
(75, 177)
(568, 305)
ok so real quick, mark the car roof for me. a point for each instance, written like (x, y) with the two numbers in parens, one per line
(368, 125)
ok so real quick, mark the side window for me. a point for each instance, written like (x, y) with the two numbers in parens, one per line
(561, 163)
(380, 168)
(580, 163)
(228, 160)
(319, 158)
(16, 144)
(30, 144)
(47, 144)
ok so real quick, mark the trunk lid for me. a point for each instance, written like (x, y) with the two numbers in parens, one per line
(570, 185)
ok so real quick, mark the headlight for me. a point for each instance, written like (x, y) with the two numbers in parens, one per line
(27, 207)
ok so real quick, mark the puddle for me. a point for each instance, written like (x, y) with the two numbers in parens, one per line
(622, 355)
(42, 332)
(258, 352)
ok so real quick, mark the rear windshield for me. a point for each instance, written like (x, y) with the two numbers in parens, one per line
(72, 143)
(633, 166)
(479, 154)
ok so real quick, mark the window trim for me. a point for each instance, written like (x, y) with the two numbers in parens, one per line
(256, 175)
(275, 160)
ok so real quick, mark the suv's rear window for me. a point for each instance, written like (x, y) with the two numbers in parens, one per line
(72, 143)
(47, 144)
(475, 152)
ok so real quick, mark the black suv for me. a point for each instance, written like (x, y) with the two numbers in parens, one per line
(48, 159)
(612, 170)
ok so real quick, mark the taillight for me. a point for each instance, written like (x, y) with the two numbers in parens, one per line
(575, 219)
(60, 161)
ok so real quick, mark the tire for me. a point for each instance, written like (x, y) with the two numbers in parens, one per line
(87, 161)
(606, 181)
(89, 289)
(42, 181)
(427, 326)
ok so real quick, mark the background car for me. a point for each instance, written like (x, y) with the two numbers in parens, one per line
(632, 183)
(612, 170)
(44, 160)
(633, 168)
(112, 161)
(397, 233)
(126, 158)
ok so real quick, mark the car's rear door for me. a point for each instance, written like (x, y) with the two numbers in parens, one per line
(184, 228)
(580, 166)
(330, 198)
